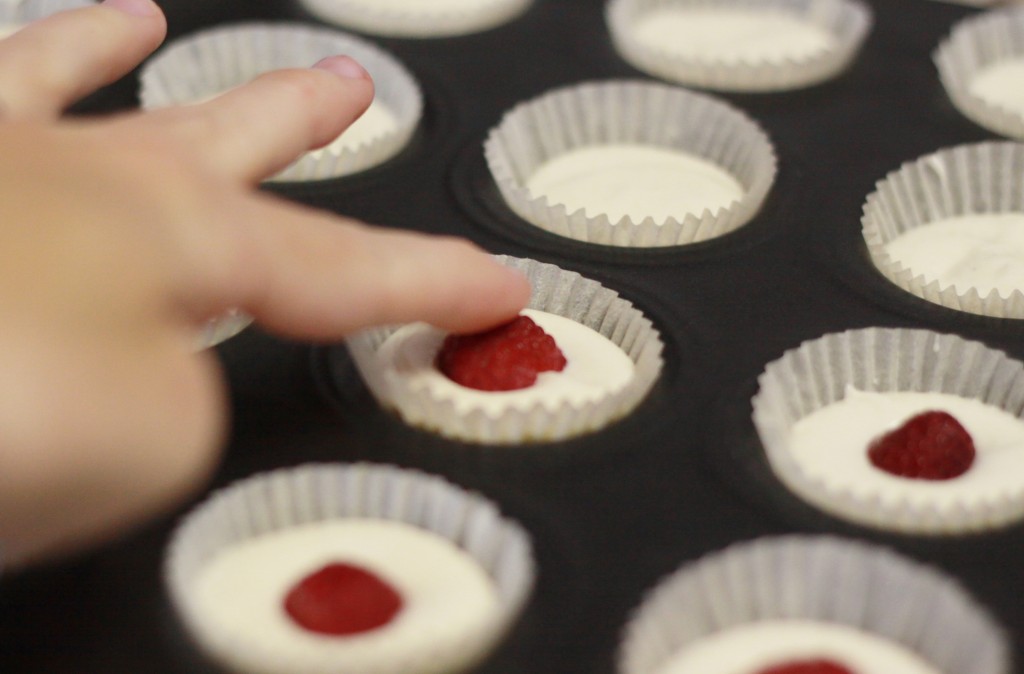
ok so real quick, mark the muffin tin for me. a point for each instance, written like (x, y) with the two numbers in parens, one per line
(684, 475)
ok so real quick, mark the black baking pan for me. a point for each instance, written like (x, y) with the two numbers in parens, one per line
(612, 512)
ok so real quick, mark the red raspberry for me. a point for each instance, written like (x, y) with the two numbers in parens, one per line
(807, 667)
(342, 599)
(504, 358)
(929, 446)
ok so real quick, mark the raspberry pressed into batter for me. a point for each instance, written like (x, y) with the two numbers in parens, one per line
(930, 446)
(807, 667)
(342, 599)
(504, 358)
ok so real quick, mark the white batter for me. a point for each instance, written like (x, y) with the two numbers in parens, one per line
(984, 251)
(595, 367)
(419, 6)
(1001, 84)
(731, 35)
(635, 180)
(748, 648)
(448, 597)
(377, 121)
(831, 444)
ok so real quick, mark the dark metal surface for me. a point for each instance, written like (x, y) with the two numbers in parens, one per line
(612, 512)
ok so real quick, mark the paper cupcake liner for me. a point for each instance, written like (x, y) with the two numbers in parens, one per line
(976, 43)
(848, 22)
(635, 113)
(818, 372)
(818, 578)
(416, 20)
(555, 291)
(276, 501)
(979, 178)
(209, 62)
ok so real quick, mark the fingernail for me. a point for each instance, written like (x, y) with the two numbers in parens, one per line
(343, 66)
(133, 7)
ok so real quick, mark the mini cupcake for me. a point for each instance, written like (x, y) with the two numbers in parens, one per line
(610, 358)
(906, 430)
(330, 569)
(980, 64)
(15, 14)
(740, 45)
(779, 603)
(201, 66)
(949, 228)
(631, 163)
(414, 19)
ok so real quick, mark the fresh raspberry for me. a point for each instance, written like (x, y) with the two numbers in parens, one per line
(807, 667)
(342, 599)
(504, 358)
(929, 446)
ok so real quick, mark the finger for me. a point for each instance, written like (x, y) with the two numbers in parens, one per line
(314, 276)
(255, 130)
(52, 62)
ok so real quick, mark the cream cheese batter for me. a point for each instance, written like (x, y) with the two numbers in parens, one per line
(447, 596)
(419, 6)
(377, 121)
(731, 35)
(830, 445)
(638, 181)
(1001, 84)
(983, 251)
(749, 648)
(595, 367)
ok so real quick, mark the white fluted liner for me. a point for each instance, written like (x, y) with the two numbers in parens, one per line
(981, 178)
(209, 62)
(974, 44)
(416, 19)
(819, 578)
(630, 112)
(555, 291)
(275, 501)
(847, 21)
(818, 372)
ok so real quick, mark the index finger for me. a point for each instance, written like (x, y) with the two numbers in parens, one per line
(312, 275)
(254, 130)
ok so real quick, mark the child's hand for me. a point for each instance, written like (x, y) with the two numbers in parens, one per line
(120, 238)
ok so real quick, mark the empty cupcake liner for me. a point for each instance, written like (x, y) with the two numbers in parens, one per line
(416, 20)
(822, 579)
(207, 63)
(845, 25)
(974, 45)
(630, 113)
(555, 291)
(279, 500)
(822, 371)
(969, 179)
